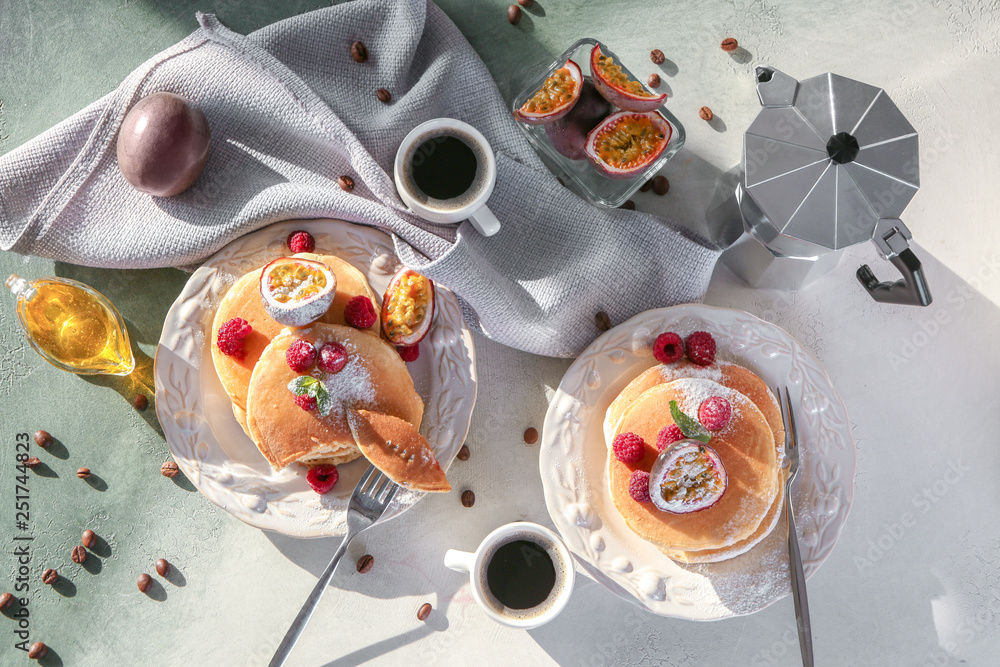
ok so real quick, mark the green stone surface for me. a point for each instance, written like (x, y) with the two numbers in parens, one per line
(929, 597)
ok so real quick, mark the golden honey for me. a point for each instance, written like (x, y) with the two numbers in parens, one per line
(72, 326)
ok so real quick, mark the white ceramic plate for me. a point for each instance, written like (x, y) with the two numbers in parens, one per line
(196, 413)
(574, 472)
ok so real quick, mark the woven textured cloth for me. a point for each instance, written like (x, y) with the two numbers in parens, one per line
(290, 111)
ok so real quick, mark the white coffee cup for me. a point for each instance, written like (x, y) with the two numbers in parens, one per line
(476, 565)
(472, 206)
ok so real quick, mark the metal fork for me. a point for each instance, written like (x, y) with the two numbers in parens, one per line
(794, 557)
(371, 497)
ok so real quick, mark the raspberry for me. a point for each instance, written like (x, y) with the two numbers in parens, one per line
(700, 348)
(714, 413)
(300, 241)
(322, 478)
(301, 355)
(231, 337)
(332, 357)
(307, 403)
(668, 435)
(408, 352)
(668, 348)
(638, 486)
(360, 313)
(628, 447)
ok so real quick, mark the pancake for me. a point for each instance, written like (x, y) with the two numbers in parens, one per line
(746, 447)
(396, 448)
(375, 379)
(728, 375)
(763, 530)
(243, 300)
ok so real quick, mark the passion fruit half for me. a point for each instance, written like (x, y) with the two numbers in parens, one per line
(618, 88)
(297, 291)
(556, 97)
(407, 308)
(687, 477)
(626, 143)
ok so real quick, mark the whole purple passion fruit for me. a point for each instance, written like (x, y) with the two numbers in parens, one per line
(163, 144)
(568, 135)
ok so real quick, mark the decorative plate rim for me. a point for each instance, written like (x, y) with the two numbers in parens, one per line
(281, 501)
(822, 493)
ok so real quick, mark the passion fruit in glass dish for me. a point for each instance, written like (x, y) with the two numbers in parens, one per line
(565, 158)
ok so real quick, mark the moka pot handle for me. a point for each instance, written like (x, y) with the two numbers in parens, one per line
(892, 239)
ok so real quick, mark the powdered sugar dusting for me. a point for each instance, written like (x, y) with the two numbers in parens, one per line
(349, 388)
(695, 391)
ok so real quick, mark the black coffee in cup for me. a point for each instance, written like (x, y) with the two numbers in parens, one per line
(523, 576)
(445, 169)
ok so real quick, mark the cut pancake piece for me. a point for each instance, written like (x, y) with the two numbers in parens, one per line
(746, 446)
(396, 448)
(243, 300)
(375, 378)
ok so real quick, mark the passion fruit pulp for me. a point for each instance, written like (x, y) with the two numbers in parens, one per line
(687, 477)
(618, 88)
(557, 96)
(297, 291)
(568, 135)
(407, 308)
(626, 143)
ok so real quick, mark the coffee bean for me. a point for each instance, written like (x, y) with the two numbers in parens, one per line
(646, 186)
(43, 439)
(424, 611)
(88, 538)
(162, 567)
(602, 321)
(32, 462)
(359, 52)
(654, 81)
(468, 498)
(79, 555)
(169, 469)
(83, 473)
(346, 183)
(729, 44)
(144, 582)
(706, 113)
(50, 576)
(463, 453)
(657, 56)
(514, 14)
(37, 651)
(629, 205)
(6, 600)
(384, 96)
(531, 435)
(526, 3)
(661, 185)
(140, 402)
(365, 563)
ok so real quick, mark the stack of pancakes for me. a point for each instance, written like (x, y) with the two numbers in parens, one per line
(375, 378)
(750, 447)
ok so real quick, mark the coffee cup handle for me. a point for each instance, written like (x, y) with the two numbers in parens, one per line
(460, 561)
(485, 222)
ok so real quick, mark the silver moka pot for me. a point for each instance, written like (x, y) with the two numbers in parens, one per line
(828, 162)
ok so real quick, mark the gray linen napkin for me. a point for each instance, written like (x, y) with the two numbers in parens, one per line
(290, 112)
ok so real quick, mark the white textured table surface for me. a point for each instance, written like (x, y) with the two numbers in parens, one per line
(915, 577)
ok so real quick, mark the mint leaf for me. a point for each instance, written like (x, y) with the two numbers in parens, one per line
(305, 385)
(324, 402)
(691, 428)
